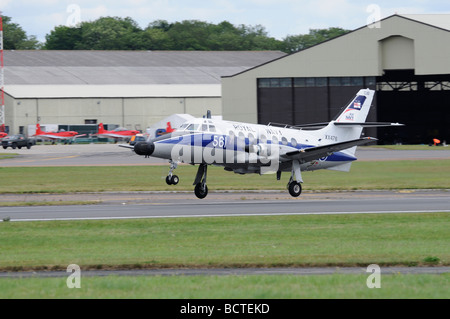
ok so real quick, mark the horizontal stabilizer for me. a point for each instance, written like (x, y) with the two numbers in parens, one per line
(367, 124)
(311, 126)
(314, 153)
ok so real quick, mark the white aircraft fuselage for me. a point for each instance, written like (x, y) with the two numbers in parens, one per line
(253, 148)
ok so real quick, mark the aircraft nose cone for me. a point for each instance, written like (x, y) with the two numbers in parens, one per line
(144, 148)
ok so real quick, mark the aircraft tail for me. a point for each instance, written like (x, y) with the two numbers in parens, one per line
(348, 124)
(101, 129)
(38, 129)
(169, 128)
(358, 109)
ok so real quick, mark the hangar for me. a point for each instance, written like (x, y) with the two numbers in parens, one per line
(405, 58)
(132, 89)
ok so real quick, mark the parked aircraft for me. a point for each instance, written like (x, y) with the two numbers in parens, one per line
(251, 148)
(3, 134)
(118, 133)
(66, 136)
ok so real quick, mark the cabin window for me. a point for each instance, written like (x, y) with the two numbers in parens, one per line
(284, 141)
(251, 138)
(274, 140)
(294, 142)
(263, 139)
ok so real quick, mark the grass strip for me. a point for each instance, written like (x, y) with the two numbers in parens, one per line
(429, 174)
(226, 287)
(313, 240)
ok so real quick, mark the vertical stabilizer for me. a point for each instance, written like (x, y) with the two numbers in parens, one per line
(355, 112)
(38, 129)
(358, 109)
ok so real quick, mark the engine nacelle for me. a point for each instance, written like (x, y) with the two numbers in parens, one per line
(258, 149)
(144, 148)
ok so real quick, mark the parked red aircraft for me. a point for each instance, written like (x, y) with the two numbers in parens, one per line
(66, 136)
(3, 134)
(119, 132)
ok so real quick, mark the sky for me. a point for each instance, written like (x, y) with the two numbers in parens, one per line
(279, 17)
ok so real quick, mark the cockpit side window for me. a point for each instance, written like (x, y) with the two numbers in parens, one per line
(212, 128)
(193, 127)
(204, 127)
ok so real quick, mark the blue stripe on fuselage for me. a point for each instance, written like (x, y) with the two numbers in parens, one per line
(206, 140)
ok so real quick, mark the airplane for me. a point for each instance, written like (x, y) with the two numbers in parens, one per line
(3, 134)
(253, 148)
(116, 133)
(66, 136)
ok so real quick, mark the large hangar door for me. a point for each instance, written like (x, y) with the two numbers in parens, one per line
(422, 103)
(305, 100)
(275, 101)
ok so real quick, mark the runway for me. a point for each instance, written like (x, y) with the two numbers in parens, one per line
(297, 271)
(178, 205)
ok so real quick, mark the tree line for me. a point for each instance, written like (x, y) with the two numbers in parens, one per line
(115, 33)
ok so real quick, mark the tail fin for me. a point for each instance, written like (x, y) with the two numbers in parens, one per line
(352, 116)
(169, 128)
(357, 110)
(38, 129)
(101, 129)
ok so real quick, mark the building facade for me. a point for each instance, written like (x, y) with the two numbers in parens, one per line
(132, 89)
(404, 58)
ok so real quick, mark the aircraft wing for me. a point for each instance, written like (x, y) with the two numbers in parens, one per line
(48, 137)
(313, 153)
(112, 135)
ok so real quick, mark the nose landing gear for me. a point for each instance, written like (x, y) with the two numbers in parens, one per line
(172, 179)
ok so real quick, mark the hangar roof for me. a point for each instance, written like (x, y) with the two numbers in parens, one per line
(51, 67)
(369, 50)
(438, 20)
(113, 91)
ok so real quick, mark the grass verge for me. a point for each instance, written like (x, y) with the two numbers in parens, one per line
(225, 287)
(315, 240)
(429, 174)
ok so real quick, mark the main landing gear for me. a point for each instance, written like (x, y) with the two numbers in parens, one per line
(294, 186)
(201, 190)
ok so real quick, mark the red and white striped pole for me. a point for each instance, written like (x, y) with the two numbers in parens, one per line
(2, 97)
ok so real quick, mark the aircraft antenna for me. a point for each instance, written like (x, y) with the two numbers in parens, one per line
(2, 74)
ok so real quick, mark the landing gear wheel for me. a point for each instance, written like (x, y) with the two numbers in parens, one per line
(295, 189)
(172, 180)
(201, 191)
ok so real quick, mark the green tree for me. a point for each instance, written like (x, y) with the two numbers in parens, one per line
(63, 38)
(153, 39)
(109, 33)
(15, 38)
(294, 43)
